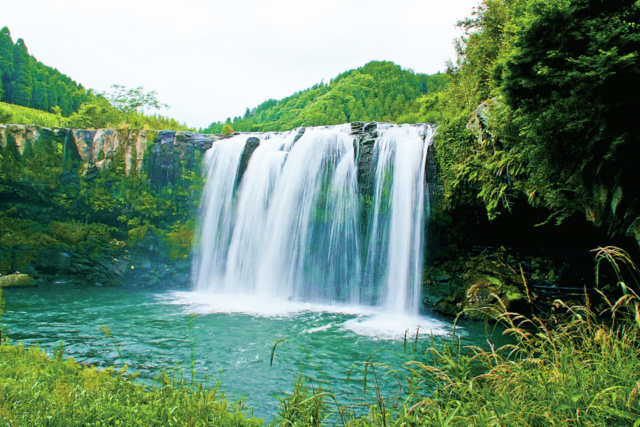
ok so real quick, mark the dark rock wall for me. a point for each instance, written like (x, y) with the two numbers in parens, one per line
(168, 152)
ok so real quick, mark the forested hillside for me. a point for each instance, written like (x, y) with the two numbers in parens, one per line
(378, 91)
(541, 111)
(34, 93)
(28, 82)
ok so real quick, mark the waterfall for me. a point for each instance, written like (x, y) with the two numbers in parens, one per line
(290, 230)
(214, 233)
(395, 252)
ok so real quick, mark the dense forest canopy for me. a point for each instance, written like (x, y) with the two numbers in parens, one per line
(28, 83)
(541, 109)
(378, 91)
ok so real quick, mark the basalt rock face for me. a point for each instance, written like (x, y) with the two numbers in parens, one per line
(174, 151)
(164, 154)
(251, 146)
(365, 135)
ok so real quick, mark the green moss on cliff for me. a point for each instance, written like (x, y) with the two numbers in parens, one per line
(50, 197)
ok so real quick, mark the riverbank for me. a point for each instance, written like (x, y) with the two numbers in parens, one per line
(582, 369)
(39, 391)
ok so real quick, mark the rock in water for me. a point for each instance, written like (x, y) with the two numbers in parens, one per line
(252, 144)
(16, 281)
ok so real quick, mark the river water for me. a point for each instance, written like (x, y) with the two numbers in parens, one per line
(151, 331)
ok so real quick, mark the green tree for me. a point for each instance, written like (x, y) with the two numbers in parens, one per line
(133, 100)
(227, 129)
(21, 84)
(6, 60)
(570, 76)
(550, 88)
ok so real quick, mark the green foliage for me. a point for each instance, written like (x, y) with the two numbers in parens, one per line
(132, 100)
(378, 91)
(15, 114)
(100, 114)
(5, 115)
(302, 407)
(537, 82)
(95, 115)
(38, 391)
(226, 129)
(566, 95)
(21, 241)
(76, 234)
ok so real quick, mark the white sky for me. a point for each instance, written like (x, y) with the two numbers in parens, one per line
(210, 59)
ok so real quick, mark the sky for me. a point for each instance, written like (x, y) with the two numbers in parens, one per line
(211, 59)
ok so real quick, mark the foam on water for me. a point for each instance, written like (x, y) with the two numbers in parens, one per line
(254, 305)
(394, 326)
(371, 322)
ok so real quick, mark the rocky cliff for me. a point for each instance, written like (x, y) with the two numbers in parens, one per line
(102, 206)
(98, 206)
(166, 153)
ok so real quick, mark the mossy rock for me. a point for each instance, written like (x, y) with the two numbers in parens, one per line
(17, 281)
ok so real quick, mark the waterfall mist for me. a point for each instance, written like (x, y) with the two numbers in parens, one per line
(292, 228)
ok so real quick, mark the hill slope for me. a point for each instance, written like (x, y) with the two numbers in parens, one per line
(380, 91)
(28, 82)
(34, 93)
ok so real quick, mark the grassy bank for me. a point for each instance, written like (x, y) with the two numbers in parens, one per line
(577, 366)
(38, 391)
(574, 371)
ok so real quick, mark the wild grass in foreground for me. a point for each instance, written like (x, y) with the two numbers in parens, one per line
(579, 368)
(38, 391)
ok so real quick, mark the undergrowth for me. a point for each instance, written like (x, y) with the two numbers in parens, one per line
(578, 367)
(38, 391)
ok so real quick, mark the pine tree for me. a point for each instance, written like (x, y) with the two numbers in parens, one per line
(6, 61)
(21, 81)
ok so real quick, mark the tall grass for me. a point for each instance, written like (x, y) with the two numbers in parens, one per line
(38, 391)
(578, 367)
(16, 114)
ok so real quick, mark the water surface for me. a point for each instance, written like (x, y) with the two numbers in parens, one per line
(226, 340)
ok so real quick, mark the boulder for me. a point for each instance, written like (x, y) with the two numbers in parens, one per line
(54, 260)
(16, 281)
(299, 134)
(474, 287)
(252, 144)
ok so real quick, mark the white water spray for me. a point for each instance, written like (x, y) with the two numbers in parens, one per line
(221, 165)
(294, 235)
(395, 253)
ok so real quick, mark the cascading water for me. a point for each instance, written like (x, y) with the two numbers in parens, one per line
(311, 250)
(394, 256)
(290, 230)
(221, 165)
(248, 240)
